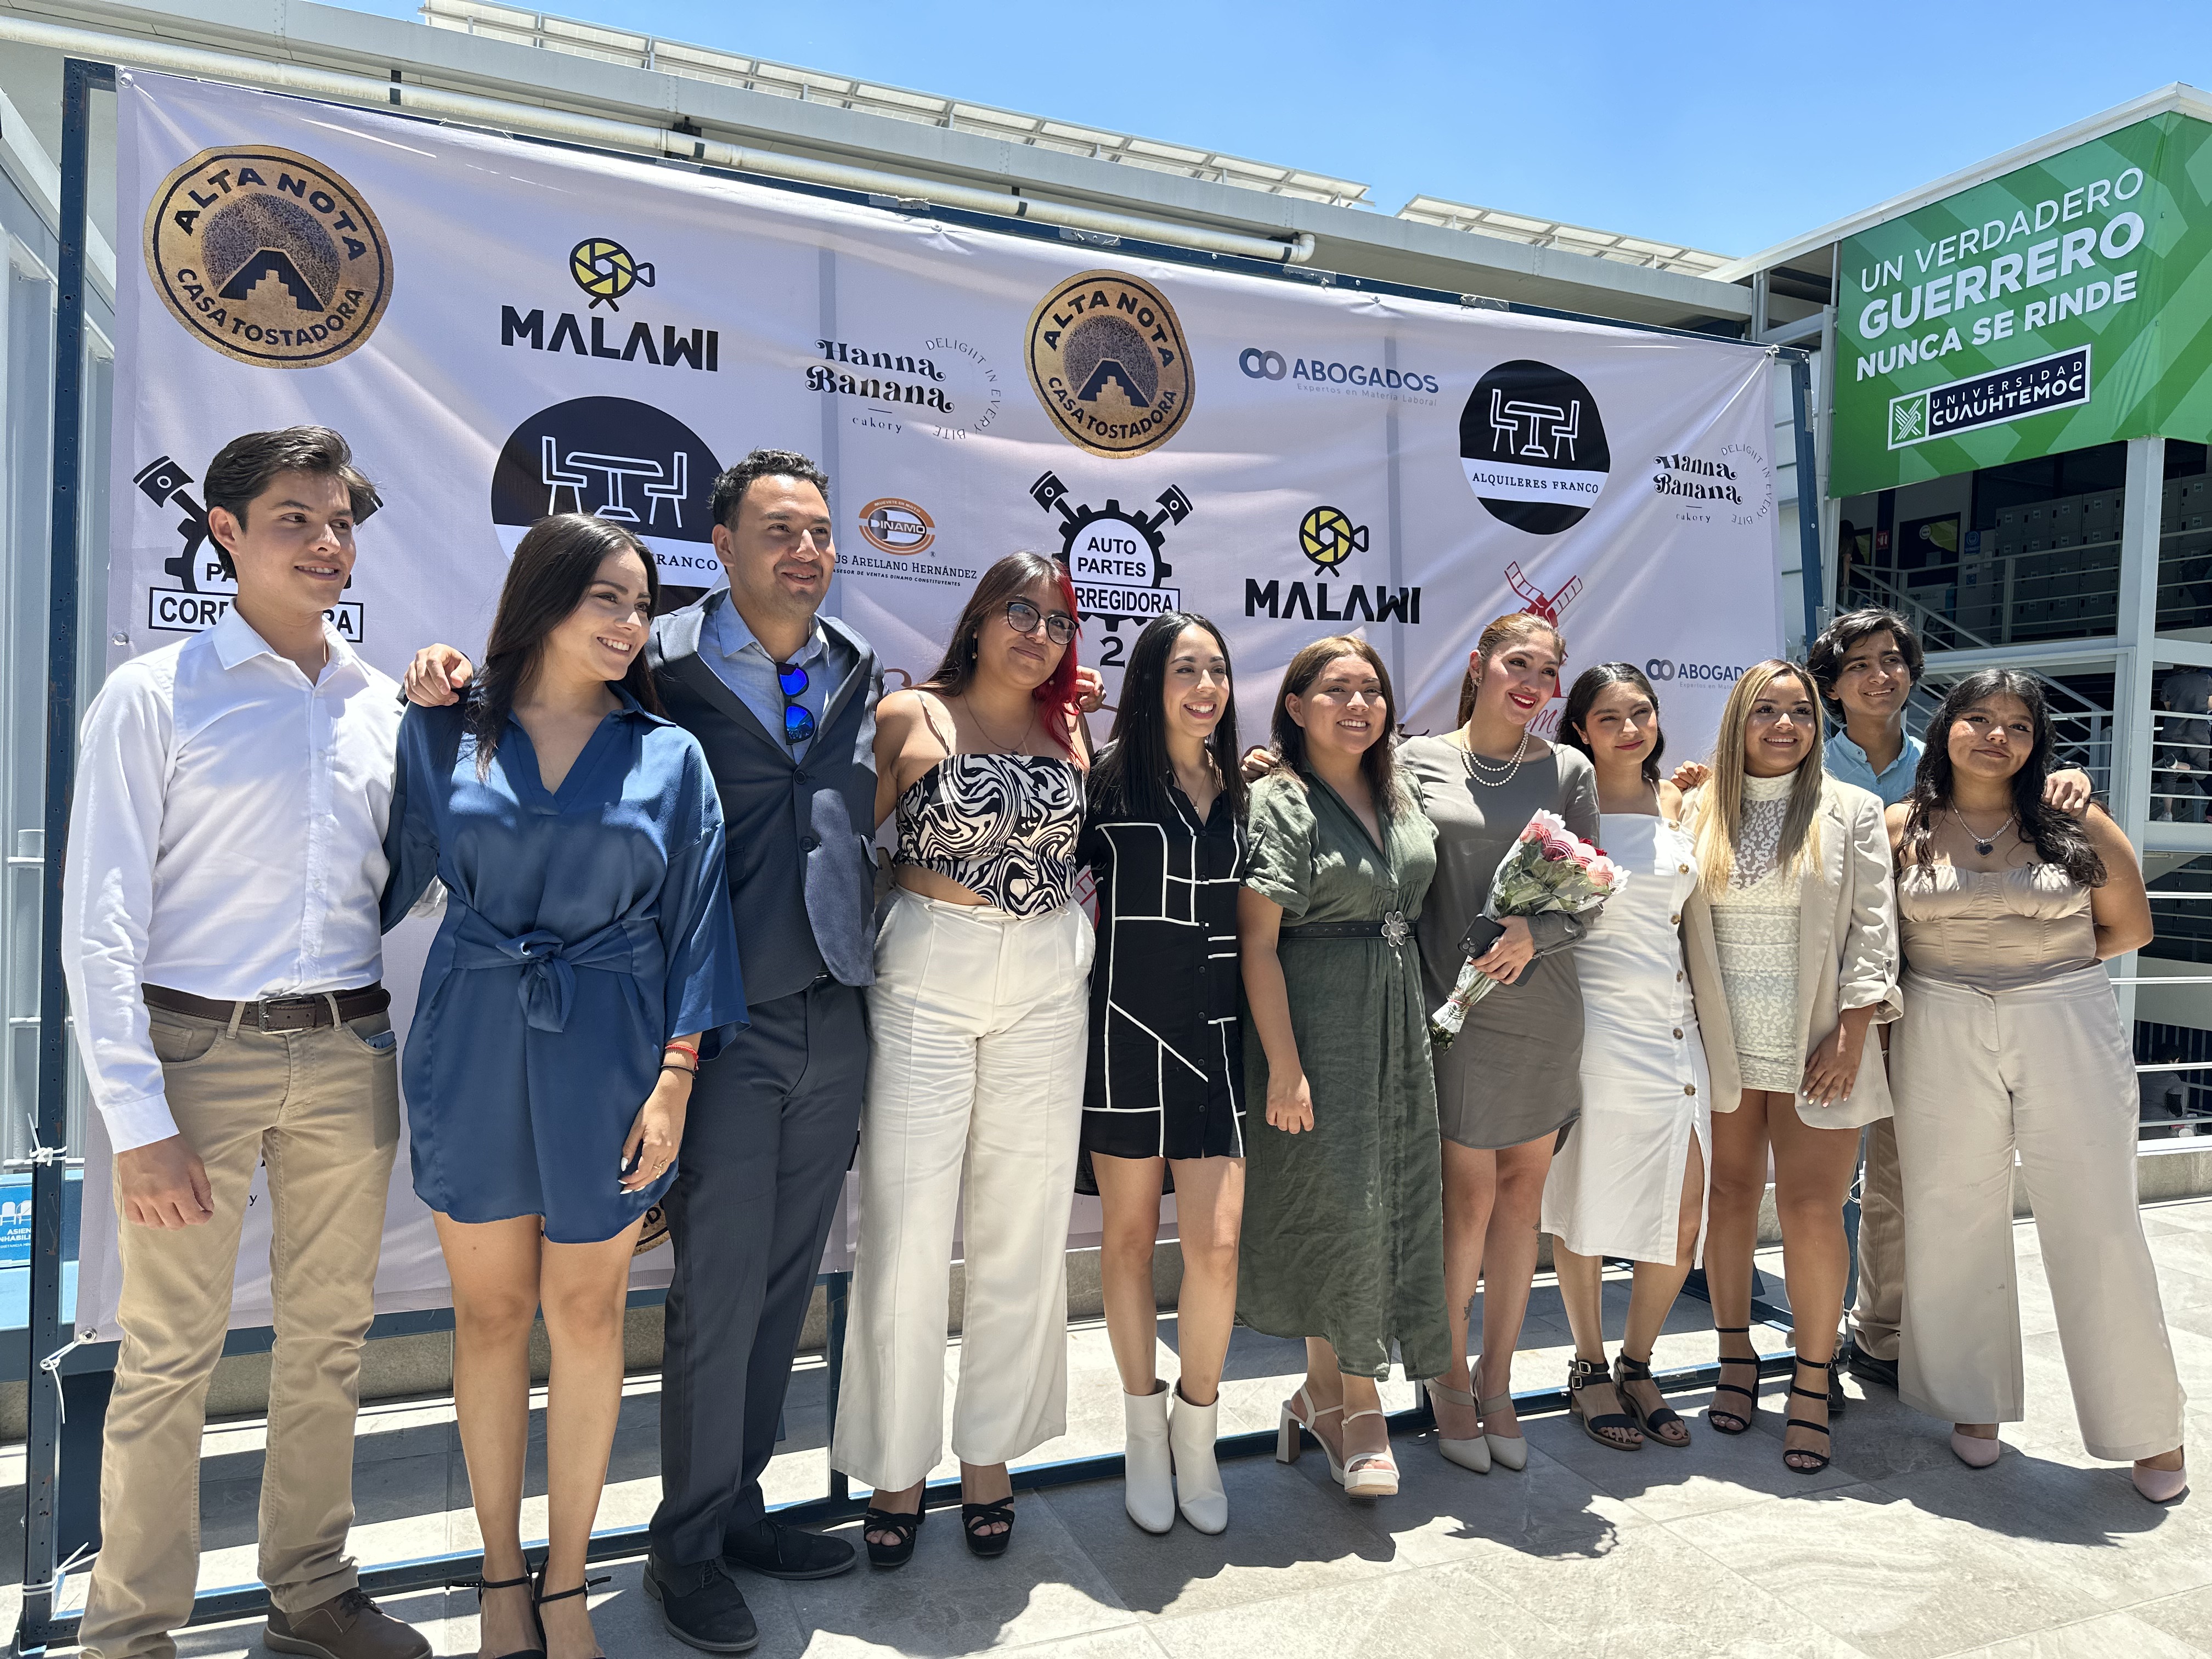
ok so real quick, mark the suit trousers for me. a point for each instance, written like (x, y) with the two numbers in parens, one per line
(1880, 1304)
(2043, 1070)
(766, 1145)
(321, 1109)
(975, 1083)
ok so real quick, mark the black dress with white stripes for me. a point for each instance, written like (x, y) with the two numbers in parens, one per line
(1165, 1077)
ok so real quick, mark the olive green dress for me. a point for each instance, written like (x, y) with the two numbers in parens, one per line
(1344, 1225)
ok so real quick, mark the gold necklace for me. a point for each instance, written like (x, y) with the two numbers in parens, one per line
(1013, 748)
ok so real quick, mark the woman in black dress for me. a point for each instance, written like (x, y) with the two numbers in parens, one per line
(1163, 837)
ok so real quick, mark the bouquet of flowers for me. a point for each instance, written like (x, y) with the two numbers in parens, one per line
(1549, 869)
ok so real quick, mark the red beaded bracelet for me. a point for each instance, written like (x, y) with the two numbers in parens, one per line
(680, 1049)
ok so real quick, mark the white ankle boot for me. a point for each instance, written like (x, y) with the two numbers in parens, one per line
(1147, 1471)
(1198, 1477)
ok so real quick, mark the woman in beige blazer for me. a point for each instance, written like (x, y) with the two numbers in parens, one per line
(1792, 960)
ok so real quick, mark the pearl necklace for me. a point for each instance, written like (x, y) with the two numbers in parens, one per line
(1474, 768)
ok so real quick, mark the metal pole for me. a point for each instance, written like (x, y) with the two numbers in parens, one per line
(1808, 495)
(42, 1459)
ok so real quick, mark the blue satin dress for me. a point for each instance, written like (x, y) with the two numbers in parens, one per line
(584, 928)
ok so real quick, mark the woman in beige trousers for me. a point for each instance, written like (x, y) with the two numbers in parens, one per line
(2011, 1043)
(1791, 962)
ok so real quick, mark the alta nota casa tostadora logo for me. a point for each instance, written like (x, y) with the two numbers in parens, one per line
(1107, 359)
(268, 256)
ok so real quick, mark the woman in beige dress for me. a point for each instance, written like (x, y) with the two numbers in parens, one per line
(2011, 1044)
(1792, 962)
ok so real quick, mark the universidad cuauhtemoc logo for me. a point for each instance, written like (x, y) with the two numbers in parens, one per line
(268, 256)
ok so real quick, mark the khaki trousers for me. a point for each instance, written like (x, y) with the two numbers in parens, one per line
(2045, 1071)
(1880, 1305)
(322, 1107)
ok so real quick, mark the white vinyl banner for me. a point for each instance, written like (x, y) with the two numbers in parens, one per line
(506, 329)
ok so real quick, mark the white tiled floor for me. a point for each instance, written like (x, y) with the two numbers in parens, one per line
(1896, 1550)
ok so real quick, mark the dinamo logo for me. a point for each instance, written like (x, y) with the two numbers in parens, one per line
(897, 527)
(1108, 361)
(268, 257)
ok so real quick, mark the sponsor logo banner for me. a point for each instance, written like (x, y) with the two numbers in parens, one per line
(2058, 381)
(1107, 360)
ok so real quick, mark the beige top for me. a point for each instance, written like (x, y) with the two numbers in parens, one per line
(1995, 930)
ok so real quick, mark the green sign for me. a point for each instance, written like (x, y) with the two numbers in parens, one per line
(2067, 304)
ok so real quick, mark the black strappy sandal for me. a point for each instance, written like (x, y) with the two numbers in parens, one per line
(1728, 1420)
(1827, 1368)
(537, 1595)
(1580, 1373)
(527, 1582)
(1662, 1416)
(988, 1545)
(896, 1554)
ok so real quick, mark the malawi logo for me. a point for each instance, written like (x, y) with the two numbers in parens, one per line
(899, 528)
(268, 256)
(1108, 361)
(1533, 447)
(1113, 555)
(1329, 538)
(605, 270)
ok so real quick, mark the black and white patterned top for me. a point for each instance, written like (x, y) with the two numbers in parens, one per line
(1003, 826)
(1166, 1076)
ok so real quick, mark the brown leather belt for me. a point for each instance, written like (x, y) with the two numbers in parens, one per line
(278, 1013)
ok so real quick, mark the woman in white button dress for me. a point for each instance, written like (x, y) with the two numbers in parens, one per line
(1630, 1179)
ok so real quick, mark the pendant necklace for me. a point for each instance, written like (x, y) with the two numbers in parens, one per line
(1476, 769)
(1984, 845)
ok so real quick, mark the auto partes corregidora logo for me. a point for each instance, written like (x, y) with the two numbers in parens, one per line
(268, 256)
(1108, 361)
(1113, 554)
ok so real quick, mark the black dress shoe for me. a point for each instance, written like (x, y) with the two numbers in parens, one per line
(1869, 1369)
(776, 1551)
(700, 1606)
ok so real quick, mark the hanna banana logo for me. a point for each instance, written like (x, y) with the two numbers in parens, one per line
(605, 269)
(268, 256)
(1108, 361)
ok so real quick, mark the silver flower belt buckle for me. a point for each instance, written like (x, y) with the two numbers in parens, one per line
(1394, 931)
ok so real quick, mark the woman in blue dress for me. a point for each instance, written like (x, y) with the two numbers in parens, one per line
(585, 965)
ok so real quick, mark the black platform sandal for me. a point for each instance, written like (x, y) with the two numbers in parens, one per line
(1728, 1420)
(1661, 1417)
(1826, 1367)
(898, 1553)
(527, 1583)
(988, 1545)
(1580, 1373)
(538, 1595)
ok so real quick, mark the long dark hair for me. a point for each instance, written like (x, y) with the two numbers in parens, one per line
(1587, 686)
(1379, 765)
(2058, 839)
(1132, 776)
(551, 571)
(1003, 581)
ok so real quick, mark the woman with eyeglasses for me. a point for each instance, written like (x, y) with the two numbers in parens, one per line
(2011, 1047)
(978, 1018)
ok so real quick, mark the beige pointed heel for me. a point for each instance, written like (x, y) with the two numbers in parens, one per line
(1470, 1454)
(1507, 1450)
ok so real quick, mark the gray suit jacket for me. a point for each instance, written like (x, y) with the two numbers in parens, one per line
(802, 877)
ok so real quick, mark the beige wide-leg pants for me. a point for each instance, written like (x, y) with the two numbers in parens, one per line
(2043, 1070)
(322, 1107)
(978, 1021)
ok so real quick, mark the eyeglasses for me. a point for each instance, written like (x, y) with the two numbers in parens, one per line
(1025, 618)
(798, 719)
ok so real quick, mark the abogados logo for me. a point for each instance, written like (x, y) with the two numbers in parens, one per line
(1533, 447)
(623, 460)
(268, 257)
(1107, 360)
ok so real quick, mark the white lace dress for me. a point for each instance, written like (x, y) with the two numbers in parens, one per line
(1756, 933)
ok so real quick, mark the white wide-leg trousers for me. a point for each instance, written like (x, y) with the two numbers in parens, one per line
(975, 1073)
(2046, 1071)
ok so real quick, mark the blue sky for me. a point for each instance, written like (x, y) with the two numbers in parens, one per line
(1729, 128)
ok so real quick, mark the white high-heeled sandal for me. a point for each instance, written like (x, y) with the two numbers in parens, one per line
(1368, 1474)
(1288, 1445)
(1472, 1453)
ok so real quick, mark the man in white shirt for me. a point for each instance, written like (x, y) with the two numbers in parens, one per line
(221, 945)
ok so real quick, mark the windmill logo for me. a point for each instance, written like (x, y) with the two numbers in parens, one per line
(1537, 602)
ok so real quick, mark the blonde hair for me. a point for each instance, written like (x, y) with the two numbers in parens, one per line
(1720, 813)
(1509, 629)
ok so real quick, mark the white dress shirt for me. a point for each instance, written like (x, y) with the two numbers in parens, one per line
(227, 840)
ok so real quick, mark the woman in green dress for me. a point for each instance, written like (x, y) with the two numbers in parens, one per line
(1343, 1192)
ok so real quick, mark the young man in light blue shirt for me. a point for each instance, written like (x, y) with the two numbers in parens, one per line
(1865, 663)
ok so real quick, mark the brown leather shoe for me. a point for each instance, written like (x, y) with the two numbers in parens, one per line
(347, 1627)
